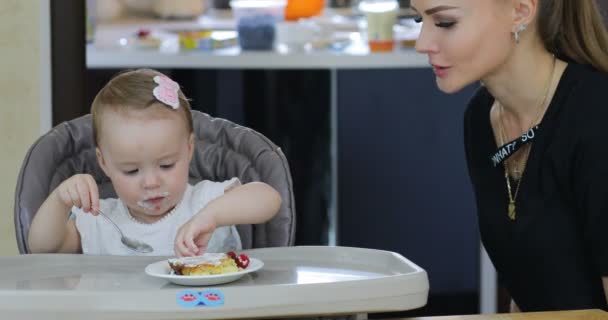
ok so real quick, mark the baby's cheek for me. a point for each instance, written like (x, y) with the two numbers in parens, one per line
(128, 192)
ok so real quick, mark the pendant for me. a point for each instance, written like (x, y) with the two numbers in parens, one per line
(511, 210)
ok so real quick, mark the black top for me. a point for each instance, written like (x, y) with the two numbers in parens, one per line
(553, 255)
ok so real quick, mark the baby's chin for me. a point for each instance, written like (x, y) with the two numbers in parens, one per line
(156, 212)
(150, 215)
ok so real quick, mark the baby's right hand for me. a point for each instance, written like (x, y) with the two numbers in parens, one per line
(80, 191)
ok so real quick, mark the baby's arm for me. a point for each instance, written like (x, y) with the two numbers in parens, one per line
(252, 203)
(50, 231)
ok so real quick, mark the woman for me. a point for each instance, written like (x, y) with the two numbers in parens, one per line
(536, 138)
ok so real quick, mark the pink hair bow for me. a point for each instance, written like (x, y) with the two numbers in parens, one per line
(167, 91)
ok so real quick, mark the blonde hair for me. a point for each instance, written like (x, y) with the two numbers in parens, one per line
(574, 30)
(132, 90)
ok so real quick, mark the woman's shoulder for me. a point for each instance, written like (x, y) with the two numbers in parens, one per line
(586, 71)
(590, 84)
(589, 95)
(585, 100)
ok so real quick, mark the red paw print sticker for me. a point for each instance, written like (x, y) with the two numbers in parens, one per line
(213, 297)
(188, 297)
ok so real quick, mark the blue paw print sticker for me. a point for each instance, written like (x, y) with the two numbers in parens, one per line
(208, 298)
(212, 298)
(188, 298)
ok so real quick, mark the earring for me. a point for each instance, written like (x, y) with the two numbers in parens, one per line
(522, 27)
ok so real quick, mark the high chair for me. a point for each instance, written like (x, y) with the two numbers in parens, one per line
(222, 150)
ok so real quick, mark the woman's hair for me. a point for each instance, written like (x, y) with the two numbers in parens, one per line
(132, 90)
(574, 30)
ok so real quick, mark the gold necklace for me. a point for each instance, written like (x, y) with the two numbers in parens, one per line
(511, 208)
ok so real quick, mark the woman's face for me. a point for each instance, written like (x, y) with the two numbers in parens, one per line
(465, 40)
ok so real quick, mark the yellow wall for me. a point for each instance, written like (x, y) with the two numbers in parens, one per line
(19, 101)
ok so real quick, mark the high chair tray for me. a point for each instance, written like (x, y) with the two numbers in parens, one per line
(294, 281)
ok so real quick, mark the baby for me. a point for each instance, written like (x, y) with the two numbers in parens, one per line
(143, 132)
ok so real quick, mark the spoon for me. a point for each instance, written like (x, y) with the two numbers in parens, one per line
(130, 243)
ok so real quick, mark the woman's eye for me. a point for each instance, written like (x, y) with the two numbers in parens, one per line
(167, 166)
(131, 172)
(440, 24)
(446, 25)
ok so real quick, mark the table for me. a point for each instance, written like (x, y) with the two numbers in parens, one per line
(560, 315)
(294, 282)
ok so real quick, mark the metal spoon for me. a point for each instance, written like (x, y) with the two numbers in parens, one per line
(130, 243)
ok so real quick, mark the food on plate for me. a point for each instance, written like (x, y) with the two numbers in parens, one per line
(209, 264)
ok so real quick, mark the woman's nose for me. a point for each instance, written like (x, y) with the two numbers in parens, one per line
(425, 43)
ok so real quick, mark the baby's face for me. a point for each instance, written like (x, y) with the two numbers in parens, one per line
(146, 154)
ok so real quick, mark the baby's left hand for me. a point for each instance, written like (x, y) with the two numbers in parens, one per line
(192, 237)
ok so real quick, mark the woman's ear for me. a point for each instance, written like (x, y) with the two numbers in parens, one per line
(101, 161)
(524, 13)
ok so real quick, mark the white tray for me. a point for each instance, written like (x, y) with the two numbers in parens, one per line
(295, 281)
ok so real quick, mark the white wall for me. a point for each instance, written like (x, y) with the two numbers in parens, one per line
(24, 97)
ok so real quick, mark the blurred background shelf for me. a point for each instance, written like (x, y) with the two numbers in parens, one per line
(234, 58)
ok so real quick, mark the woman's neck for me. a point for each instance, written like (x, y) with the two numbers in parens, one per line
(521, 84)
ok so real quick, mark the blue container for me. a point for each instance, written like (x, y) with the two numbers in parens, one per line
(256, 21)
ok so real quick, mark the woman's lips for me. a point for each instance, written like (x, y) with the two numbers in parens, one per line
(440, 71)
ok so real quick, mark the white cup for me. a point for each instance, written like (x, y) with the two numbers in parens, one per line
(381, 17)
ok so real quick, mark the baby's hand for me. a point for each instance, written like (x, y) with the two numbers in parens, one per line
(80, 191)
(192, 237)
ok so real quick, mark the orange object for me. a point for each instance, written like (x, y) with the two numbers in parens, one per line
(381, 46)
(298, 9)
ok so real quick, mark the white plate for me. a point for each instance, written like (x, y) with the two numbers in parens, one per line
(161, 269)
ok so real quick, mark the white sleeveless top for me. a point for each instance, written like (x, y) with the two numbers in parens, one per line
(99, 237)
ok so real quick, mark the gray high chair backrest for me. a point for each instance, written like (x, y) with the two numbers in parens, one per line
(222, 150)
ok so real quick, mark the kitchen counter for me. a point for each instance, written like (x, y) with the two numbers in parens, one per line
(107, 51)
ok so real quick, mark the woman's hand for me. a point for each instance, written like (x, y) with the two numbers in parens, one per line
(79, 191)
(192, 237)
